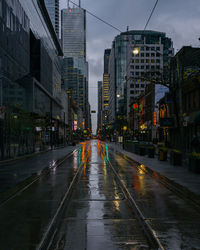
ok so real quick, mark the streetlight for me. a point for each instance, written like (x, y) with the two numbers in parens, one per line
(136, 50)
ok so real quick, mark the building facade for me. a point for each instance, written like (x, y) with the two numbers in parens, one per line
(73, 32)
(106, 85)
(130, 73)
(112, 92)
(75, 66)
(53, 11)
(100, 106)
(30, 77)
(185, 71)
(150, 65)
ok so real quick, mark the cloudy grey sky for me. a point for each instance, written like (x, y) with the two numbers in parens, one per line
(179, 19)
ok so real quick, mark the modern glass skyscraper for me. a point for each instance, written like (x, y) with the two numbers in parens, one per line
(73, 32)
(75, 66)
(53, 10)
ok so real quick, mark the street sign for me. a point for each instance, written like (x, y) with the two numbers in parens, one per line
(93, 111)
(2, 112)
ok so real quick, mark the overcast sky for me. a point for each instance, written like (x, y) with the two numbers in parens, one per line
(179, 19)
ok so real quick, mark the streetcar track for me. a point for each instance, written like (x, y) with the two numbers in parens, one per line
(179, 190)
(148, 230)
(43, 172)
(51, 230)
(52, 238)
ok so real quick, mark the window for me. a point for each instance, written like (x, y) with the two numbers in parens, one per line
(132, 86)
(132, 66)
(142, 48)
(147, 48)
(132, 92)
(132, 61)
(152, 48)
(142, 85)
(157, 48)
(137, 73)
(142, 66)
(137, 85)
(137, 60)
(142, 54)
(147, 66)
(147, 54)
(157, 67)
(147, 60)
(152, 60)
(137, 66)
(153, 54)
(142, 60)
(157, 60)
(152, 67)
(158, 55)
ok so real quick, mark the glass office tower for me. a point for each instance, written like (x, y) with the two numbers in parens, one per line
(75, 66)
(73, 32)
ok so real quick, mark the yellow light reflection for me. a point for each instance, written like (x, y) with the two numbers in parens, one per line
(116, 201)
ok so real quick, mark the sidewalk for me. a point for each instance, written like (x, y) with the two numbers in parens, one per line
(177, 174)
(20, 170)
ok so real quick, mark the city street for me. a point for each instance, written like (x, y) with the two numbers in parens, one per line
(99, 125)
(84, 204)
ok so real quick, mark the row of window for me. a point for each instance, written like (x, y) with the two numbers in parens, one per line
(147, 55)
(145, 67)
(138, 73)
(147, 48)
(137, 86)
(145, 61)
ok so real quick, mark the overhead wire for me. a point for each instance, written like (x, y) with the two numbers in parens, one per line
(151, 14)
(100, 19)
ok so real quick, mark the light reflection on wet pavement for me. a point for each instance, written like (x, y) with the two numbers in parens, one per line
(24, 219)
(98, 215)
(175, 222)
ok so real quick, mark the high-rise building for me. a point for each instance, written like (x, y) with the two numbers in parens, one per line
(75, 66)
(99, 117)
(53, 11)
(112, 94)
(30, 77)
(106, 87)
(132, 73)
(73, 32)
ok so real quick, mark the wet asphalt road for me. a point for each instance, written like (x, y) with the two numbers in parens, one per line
(98, 216)
(24, 219)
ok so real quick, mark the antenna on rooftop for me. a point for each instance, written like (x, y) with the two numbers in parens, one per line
(79, 3)
(68, 4)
